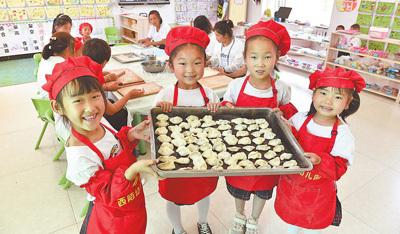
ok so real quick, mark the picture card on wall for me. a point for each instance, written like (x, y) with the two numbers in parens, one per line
(3, 15)
(35, 2)
(87, 1)
(54, 2)
(16, 3)
(72, 11)
(37, 13)
(102, 11)
(53, 11)
(87, 11)
(18, 14)
(3, 4)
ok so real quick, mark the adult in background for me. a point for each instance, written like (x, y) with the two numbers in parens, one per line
(158, 31)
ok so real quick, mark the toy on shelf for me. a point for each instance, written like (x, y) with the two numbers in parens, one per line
(393, 72)
(392, 91)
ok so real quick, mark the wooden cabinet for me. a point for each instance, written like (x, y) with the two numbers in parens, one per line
(378, 71)
(133, 27)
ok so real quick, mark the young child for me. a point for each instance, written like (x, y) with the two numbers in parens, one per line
(63, 23)
(85, 29)
(228, 55)
(186, 49)
(100, 52)
(202, 22)
(265, 42)
(99, 159)
(309, 200)
(59, 48)
(354, 41)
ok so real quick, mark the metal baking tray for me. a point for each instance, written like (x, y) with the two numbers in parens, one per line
(128, 57)
(278, 127)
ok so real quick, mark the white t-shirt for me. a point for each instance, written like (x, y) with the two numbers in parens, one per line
(229, 57)
(344, 143)
(46, 68)
(212, 45)
(190, 97)
(232, 93)
(83, 162)
(161, 34)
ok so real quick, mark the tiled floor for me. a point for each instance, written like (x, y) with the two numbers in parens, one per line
(32, 202)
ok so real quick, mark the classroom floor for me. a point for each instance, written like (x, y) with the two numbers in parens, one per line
(32, 202)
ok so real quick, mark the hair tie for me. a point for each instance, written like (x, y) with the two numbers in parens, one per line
(50, 47)
(53, 38)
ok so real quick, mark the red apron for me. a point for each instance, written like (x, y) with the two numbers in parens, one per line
(255, 183)
(308, 200)
(187, 191)
(114, 213)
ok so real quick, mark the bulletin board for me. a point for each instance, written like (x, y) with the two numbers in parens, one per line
(186, 11)
(25, 25)
(380, 13)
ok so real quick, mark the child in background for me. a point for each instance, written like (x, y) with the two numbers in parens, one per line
(186, 49)
(99, 159)
(85, 29)
(339, 27)
(342, 41)
(202, 22)
(60, 47)
(354, 41)
(309, 200)
(228, 56)
(100, 52)
(265, 42)
(63, 23)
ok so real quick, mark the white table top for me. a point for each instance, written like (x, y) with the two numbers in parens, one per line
(142, 105)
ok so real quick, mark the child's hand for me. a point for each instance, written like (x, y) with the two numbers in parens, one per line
(141, 166)
(277, 110)
(213, 106)
(147, 43)
(221, 71)
(165, 106)
(140, 131)
(110, 77)
(134, 93)
(229, 105)
(315, 159)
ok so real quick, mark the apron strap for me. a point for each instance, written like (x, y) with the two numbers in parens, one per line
(274, 92)
(88, 143)
(202, 91)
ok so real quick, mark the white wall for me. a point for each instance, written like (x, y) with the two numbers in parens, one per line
(344, 18)
(254, 12)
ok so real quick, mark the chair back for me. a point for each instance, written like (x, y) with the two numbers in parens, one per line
(37, 58)
(112, 35)
(43, 108)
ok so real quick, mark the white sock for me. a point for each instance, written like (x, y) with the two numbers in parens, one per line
(203, 206)
(174, 215)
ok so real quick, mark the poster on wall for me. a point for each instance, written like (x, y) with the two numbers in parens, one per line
(72, 11)
(53, 11)
(3, 3)
(102, 11)
(15, 3)
(35, 2)
(87, 11)
(54, 2)
(18, 14)
(102, 1)
(3, 15)
(37, 13)
(385, 8)
(346, 5)
(366, 6)
(87, 1)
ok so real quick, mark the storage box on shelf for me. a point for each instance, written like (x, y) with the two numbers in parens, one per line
(380, 69)
(133, 27)
(307, 52)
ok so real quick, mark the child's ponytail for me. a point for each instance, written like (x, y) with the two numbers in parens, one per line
(224, 27)
(353, 106)
(59, 41)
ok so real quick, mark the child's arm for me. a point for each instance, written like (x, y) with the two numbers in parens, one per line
(140, 131)
(165, 106)
(327, 165)
(113, 108)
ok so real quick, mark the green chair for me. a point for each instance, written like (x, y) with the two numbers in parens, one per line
(45, 113)
(37, 58)
(112, 35)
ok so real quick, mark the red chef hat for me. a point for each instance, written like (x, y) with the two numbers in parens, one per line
(272, 30)
(185, 34)
(338, 78)
(85, 25)
(71, 69)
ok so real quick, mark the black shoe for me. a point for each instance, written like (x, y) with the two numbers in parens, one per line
(204, 228)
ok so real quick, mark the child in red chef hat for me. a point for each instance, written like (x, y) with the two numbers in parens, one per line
(85, 29)
(186, 49)
(265, 43)
(308, 200)
(100, 159)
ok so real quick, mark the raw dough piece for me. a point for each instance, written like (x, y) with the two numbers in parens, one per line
(195, 123)
(242, 133)
(223, 127)
(222, 122)
(166, 158)
(237, 120)
(275, 162)
(190, 139)
(200, 166)
(258, 140)
(216, 141)
(260, 121)
(249, 121)
(248, 148)
(274, 142)
(166, 166)
(167, 144)
(162, 123)
(182, 161)
(231, 140)
(193, 148)
(252, 127)
(184, 125)
(285, 156)
(224, 155)
(210, 154)
(263, 125)
(263, 147)
(163, 138)
(195, 156)
(207, 118)
(166, 151)
(240, 127)
(176, 120)
(213, 133)
(217, 168)
(162, 117)
(227, 133)
(234, 149)
(244, 141)
(161, 131)
(219, 147)
(206, 147)
(196, 130)
(178, 142)
(234, 167)
(269, 135)
(175, 128)
(209, 124)
(261, 163)
(256, 134)
(270, 154)
(183, 151)
(246, 164)
(239, 156)
(230, 161)
(214, 161)
(177, 134)
(278, 148)
(191, 118)
(202, 141)
(290, 163)
(254, 155)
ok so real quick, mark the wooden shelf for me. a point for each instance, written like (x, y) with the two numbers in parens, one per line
(366, 55)
(295, 53)
(298, 68)
(129, 39)
(129, 28)
(366, 37)
(380, 93)
(364, 72)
